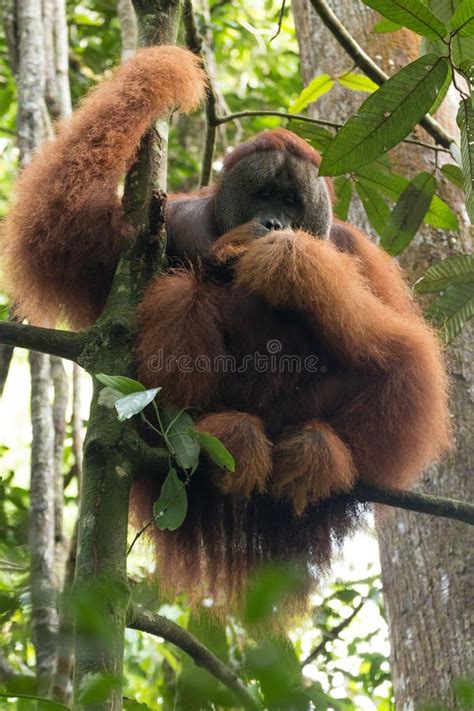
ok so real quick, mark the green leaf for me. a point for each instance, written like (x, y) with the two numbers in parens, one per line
(453, 309)
(465, 121)
(462, 48)
(413, 14)
(440, 215)
(377, 211)
(120, 383)
(133, 404)
(131, 705)
(215, 449)
(343, 188)
(387, 116)
(317, 136)
(453, 270)
(357, 82)
(408, 213)
(177, 423)
(454, 174)
(442, 92)
(383, 26)
(171, 508)
(316, 88)
(462, 22)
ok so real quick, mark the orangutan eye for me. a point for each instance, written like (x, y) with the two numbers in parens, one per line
(265, 193)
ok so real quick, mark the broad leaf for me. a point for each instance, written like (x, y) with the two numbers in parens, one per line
(408, 213)
(383, 26)
(462, 22)
(387, 116)
(392, 185)
(453, 309)
(377, 211)
(465, 121)
(215, 449)
(316, 88)
(133, 404)
(442, 92)
(317, 136)
(177, 423)
(343, 188)
(120, 383)
(357, 82)
(462, 48)
(413, 14)
(440, 215)
(171, 508)
(453, 270)
(454, 174)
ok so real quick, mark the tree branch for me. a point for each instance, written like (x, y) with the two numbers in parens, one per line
(64, 344)
(194, 41)
(160, 626)
(333, 634)
(413, 501)
(370, 68)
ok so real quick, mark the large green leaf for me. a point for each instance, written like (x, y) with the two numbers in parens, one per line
(383, 26)
(408, 213)
(465, 120)
(215, 449)
(453, 270)
(442, 92)
(343, 189)
(462, 48)
(120, 383)
(178, 423)
(171, 508)
(377, 211)
(462, 22)
(357, 82)
(316, 88)
(392, 185)
(387, 116)
(412, 14)
(453, 309)
(454, 174)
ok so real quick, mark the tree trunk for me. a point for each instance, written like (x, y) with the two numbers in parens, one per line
(427, 568)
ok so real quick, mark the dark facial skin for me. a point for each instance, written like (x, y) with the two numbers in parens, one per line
(280, 191)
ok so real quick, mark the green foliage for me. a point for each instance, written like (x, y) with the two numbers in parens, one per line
(466, 124)
(413, 14)
(317, 87)
(215, 449)
(408, 213)
(462, 22)
(171, 508)
(387, 116)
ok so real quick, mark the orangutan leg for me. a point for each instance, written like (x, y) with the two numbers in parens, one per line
(310, 464)
(244, 436)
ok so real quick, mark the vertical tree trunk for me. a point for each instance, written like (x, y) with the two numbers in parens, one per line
(43, 583)
(427, 565)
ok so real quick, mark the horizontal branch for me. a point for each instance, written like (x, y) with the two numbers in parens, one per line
(64, 344)
(413, 501)
(318, 122)
(370, 68)
(160, 626)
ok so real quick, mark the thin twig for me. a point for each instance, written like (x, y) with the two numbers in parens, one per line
(194, 41)
(280, 20)
(413, 501)
(160, 626)
(317, 122)
(369, 67)
(333, 634)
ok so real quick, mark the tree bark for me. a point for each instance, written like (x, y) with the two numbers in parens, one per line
(427, 563)
(44, 619)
